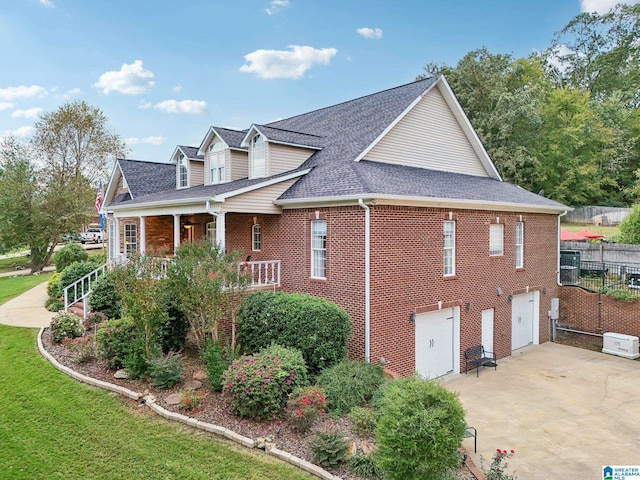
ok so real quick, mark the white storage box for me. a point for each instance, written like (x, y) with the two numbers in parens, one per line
(622, 345)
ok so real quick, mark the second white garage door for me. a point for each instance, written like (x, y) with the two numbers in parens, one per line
(437, 342)
(524, 311)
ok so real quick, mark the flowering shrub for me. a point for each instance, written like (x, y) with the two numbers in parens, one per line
(65, 325)
(305, 406)
(93, 320)
(81, 349)
(498, 468)
(191, 401)
(115, 340)
(259, 385)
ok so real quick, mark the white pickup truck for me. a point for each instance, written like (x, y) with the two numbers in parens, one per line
(94, 235)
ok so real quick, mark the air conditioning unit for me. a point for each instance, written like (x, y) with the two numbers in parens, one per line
(622, 345)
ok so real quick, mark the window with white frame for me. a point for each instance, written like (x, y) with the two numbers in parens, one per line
(449, 255)
(496, 239)
(130, 238)
(256, 237)
(211, 232)
(182, 171)
(519, 244)
(258, 160)
(319, 249)
(216, 162)
(111, 230)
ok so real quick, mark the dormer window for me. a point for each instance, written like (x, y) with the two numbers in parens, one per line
(183, 177)
(258, 157)
(216, 162)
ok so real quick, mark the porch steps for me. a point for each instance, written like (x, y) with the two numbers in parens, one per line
(77, 309)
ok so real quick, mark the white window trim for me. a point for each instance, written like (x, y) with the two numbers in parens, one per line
(316, 250)
(210, 231)
(183, 163)
(127, 244)
(256, 237)
(496, 239)
(217, 171)
(520, 245)
(258, 139)
(451, 248)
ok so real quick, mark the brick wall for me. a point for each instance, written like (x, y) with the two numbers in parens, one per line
(597, 313)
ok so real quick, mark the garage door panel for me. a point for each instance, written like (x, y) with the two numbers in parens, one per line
(434, 346)
(522, 318)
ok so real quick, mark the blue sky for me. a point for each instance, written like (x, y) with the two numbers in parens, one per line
(164, 71)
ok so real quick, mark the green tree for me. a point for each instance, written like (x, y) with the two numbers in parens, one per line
(630, 227)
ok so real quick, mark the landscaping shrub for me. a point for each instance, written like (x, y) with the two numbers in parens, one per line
(365, 466)
(70, 253)
(420, 429)
(136, 361)
(81, 349)
(65, 325)
(191, 400)
(76, 271)
(115, 339)
(350, 384)
(329, 449)
(93, 320)
(291, 360)
(165, 370)
(54, 289)
(259, 385)
(53, 304)
(363, 420)
(105, 297)
(172, 330)
(304, 407)
(498, 467)
(215, 363)
(315, 326)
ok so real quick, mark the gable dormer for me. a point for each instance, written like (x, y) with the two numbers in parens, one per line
(189, 167)
(273, 150)
(224, 159)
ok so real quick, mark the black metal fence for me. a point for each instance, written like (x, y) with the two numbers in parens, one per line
(599, 276)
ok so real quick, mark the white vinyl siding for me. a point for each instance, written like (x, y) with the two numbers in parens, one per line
(496, 240)
(260, 200)
(319, 249)
(449, 251)
(196, 173)
(282, 158)
(256, 237)
(237, 164)
(519, 244)
(429, 136)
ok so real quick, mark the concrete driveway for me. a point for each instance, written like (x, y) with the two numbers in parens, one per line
(564, 410)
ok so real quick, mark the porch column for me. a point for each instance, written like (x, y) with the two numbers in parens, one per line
(143, 236)
(220, 230)
(176, 231)
(116, 234)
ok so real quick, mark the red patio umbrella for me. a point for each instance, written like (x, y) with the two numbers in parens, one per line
(567, 236)
(590, 235)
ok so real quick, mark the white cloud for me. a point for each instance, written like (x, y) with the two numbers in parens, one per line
(6, 105)
(177, 88)
(46, 3)
(602, 6)
(71, 93)
(144, 105)
(157, 140)
(371, 33)
(131, 79)
(276, 5)
(191, 107)
(556, 57)
(30, 113)
(21, 132)
(286, 64)
(14, 93)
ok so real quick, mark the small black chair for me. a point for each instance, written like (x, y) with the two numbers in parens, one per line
(477, 357)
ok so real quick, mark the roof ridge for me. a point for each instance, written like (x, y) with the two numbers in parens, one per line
(141, 161)
(288, 130)
(352, 100)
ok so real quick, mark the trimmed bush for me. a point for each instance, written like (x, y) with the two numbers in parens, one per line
(315, 326)
(65, 325)
(136, 362)
(172, 330)
(329, 449)
(53, 304)
(76, 271)
(291, 360)
(54, 288)
(115, 339)
(105, 297)
(363, 420)
(350, 384)
(259, 385)
(215, 364)
(420, 429)
(70, 253)
(165, 371)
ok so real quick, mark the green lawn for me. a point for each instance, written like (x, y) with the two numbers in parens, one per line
(10, 264)
(609, 232)
(13, 286)
(52, 427)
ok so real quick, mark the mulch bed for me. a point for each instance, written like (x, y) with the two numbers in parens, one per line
(216, 409)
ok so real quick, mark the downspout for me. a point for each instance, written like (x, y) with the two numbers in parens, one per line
(367, 280)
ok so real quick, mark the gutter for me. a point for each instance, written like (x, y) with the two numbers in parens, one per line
(367, 280)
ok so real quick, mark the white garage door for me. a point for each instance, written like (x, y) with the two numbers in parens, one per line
(435, 343)
(523, 307)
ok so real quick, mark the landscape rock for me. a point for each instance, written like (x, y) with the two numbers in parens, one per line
(193, 384)
(352, 448)
(173, 399)
(367, 447)
(199, 375)
(121, 374)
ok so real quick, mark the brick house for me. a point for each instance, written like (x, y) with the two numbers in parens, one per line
(387, 205)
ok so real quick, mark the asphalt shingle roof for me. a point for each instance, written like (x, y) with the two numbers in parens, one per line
(145, 178)
(191, 152)
(289, 136)
(233, 138)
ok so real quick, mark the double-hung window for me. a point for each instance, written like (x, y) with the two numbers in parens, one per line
(211, 232)
(182, 171)
(449, 254)
(519, 244)
(258, 157)
(319, 249)
(256, 238)
(496, 239)
(216, 162)
(130, 238)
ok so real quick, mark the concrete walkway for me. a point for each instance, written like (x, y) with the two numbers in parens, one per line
(564, 410)
(27, 310)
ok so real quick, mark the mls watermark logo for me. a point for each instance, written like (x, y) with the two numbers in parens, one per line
(621, 472)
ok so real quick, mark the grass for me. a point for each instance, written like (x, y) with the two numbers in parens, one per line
(10, 264)
(609, 232)
(13, 286)
(56, 428)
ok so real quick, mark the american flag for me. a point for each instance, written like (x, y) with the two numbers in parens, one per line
(98, 203)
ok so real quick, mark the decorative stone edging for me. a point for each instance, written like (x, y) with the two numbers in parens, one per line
(150, 401)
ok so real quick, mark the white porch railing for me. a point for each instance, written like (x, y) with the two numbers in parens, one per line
(81, 289)
(262, 273)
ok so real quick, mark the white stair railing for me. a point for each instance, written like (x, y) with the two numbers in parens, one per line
(262, 273)
(81, 289)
